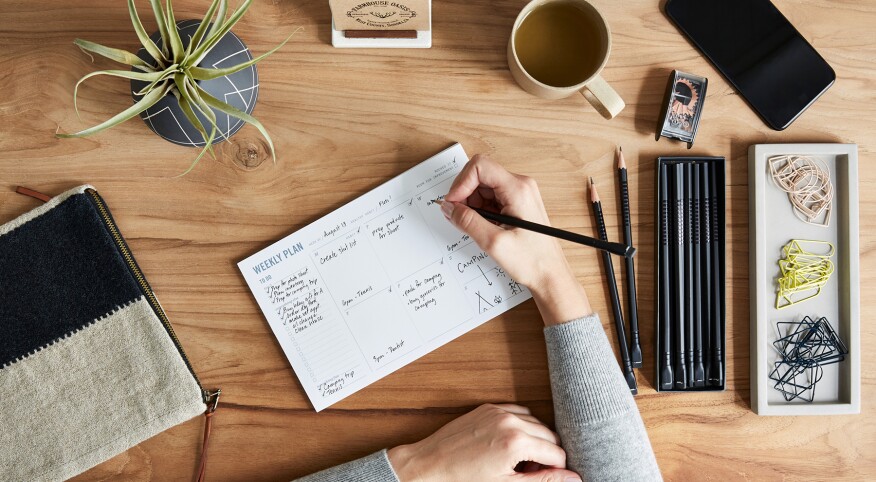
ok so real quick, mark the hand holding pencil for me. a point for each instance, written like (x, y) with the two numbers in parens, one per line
(532, 259)
(524, 244)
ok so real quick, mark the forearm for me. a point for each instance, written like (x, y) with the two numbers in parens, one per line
(596, 416)
(560, 297)
(372, 468)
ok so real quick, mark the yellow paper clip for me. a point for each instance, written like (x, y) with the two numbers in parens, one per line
(803, 273)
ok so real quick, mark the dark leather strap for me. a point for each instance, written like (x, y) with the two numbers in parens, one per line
(208, 425)
(34, 194)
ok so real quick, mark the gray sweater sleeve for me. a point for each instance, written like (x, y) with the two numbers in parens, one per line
(372, 468)
(596, 417)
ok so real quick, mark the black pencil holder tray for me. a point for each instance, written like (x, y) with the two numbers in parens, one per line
(664, 294)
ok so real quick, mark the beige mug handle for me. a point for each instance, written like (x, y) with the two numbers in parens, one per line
(603, 97)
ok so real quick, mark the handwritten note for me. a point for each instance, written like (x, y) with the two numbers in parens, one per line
(377, 284)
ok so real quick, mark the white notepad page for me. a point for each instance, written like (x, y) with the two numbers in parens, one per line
(376, 284)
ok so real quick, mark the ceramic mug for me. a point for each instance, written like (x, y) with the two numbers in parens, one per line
(594, 88)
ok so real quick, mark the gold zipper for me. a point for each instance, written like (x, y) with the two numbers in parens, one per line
(141, 280)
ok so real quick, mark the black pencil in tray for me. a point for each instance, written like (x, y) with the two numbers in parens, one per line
(699, 376)
(690, 325)
(706, 257)
(715, 377)
(664, 340)
(677, 275)
(690, 274)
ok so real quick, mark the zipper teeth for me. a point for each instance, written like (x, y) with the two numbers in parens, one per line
(141, 280)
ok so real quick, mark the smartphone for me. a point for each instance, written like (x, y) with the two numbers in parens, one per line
(759, 52)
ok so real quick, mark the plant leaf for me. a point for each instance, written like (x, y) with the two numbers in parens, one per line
(126, 74)
(235, 112)
(162, 25)
(211, 41)
(146, 102)
(190, 115)
(196, 101)
(176, 46)
(165, 74)
(186, 92)
(199, 73)
(147, 42)
(120, 56)
(191, 94)
(220, 18)
(187, 85)
(202, 28)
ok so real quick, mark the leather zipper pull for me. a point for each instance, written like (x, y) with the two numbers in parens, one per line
(34, 194)
(212, 401)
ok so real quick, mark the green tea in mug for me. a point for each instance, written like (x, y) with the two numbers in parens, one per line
(559, 44)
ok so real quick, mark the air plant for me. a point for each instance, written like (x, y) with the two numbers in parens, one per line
(174, 70)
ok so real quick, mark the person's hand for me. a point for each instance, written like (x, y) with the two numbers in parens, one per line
(485, 445)
(534, 260)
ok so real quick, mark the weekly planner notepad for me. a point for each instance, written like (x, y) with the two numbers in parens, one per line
(377, 284)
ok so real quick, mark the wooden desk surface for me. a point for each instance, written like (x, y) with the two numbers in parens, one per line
(346, 120)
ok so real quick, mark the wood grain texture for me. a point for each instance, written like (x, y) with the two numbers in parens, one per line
(343, 122)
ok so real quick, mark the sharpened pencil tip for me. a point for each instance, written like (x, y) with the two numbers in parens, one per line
(594, 196)
(621, 164)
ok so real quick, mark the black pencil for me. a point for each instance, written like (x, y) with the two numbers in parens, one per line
(680, 370)
(619, 249)
(706, 253)
(666, 290)
(716, 375)
(699, 372)
(633, 312)
(626, 366)
(689, 273)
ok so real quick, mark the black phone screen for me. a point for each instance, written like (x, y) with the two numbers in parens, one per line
(774, 68)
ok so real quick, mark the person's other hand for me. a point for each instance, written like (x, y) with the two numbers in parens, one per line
(534, 260)
(485, 445)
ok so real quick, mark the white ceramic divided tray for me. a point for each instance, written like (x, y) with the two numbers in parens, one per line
(772, 225)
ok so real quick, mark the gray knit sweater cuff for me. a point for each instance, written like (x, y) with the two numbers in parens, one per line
(372, 468)
(592, 386)
(597, 419)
